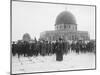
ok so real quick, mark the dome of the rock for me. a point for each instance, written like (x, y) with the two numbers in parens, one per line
(65, 17)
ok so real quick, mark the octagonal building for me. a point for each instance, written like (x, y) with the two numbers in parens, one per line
(65, 28)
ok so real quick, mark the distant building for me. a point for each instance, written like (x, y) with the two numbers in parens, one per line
(26, 37)
(65, 28)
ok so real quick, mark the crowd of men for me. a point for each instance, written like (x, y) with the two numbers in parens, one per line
(58, 47)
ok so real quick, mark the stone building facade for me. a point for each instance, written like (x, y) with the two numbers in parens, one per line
(65, 28)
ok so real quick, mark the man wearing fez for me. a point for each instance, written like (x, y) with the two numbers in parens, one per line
(59, 50)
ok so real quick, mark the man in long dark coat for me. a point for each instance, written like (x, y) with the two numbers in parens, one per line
(43, 48)
(35, 50)
(59, 51)
(73, 46)
(66, 47)
(14, 47)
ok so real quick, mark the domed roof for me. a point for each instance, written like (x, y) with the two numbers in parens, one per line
(26, 37)
(65, 17)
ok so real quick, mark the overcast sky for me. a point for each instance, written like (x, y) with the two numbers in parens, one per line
(34, 18)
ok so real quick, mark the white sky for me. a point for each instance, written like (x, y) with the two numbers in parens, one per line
(34, 18)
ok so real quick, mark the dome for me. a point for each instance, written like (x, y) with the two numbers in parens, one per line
(65, 17)
(26, 37)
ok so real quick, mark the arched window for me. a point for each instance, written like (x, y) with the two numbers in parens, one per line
(69, 26)
(53, 37)
(73, 37)
(64, 26)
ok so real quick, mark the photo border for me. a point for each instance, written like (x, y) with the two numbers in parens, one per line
(59, 4)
